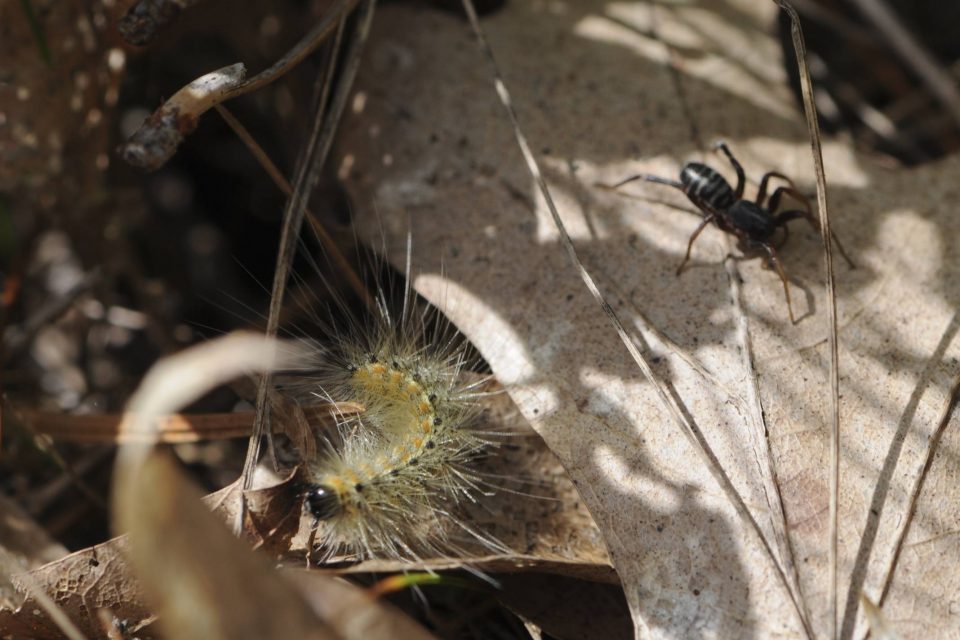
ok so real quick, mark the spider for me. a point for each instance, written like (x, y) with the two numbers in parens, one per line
(753, 223)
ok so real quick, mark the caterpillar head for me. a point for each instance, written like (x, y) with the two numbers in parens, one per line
(323, 502)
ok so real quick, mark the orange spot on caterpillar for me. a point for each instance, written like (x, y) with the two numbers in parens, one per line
(426, 426)
(378, 369)
(425, 407)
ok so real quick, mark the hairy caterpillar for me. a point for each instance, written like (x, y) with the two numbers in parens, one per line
(387, 484)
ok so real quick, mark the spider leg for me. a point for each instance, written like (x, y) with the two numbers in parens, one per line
(785, 216)
(707, 219)
(775, 261)
(762, 192)
(776, 196)
(741, 178)
(647, 177)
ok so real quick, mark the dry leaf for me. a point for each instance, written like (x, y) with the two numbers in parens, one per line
(80, 584)
(605, 91)
(204, 582)
(549, 529)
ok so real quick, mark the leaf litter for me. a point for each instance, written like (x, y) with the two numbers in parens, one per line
(680, 551)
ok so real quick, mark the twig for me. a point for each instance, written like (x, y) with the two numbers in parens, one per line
(325, 125)
(317, 36)
(813, 127)
(832, 19)
(645, 325)
(171, 429)
(331, 248)
(290, 232)
(948, 406)
(158, 137)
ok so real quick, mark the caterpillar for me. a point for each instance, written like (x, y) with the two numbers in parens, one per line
(388, 483)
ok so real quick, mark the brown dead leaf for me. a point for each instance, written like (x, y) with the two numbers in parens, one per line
(204, 582)
(545, 524)
(99, 578)
(80, 584)
(24, 545)
(606, 91)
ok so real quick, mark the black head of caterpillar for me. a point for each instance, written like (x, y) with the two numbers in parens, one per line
(322, 502)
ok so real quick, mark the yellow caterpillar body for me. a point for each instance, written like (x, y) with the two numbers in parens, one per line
(388, 487)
